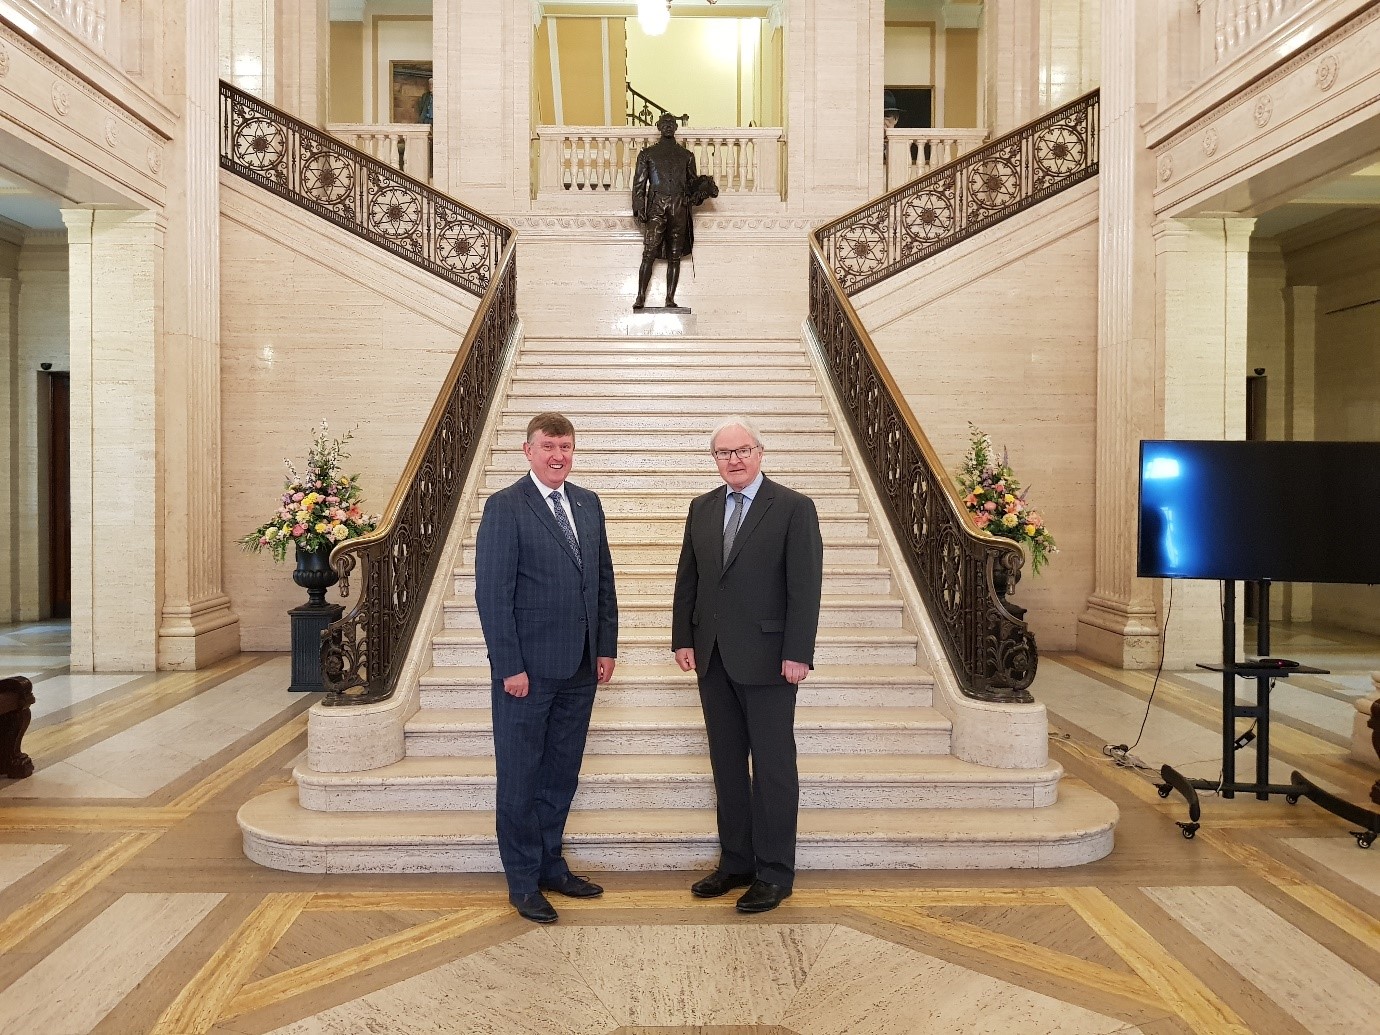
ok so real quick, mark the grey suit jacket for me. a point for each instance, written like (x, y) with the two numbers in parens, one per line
(761, 605)
(539, 610)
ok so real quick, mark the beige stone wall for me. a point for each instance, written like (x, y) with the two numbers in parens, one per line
(1002, 331)
(315, 324)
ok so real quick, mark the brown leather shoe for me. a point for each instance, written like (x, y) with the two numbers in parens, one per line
(719, 883)
(762, 897)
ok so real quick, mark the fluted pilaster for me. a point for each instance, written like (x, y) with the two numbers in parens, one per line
(1011, 53)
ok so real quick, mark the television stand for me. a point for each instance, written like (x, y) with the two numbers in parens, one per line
(1264, 671)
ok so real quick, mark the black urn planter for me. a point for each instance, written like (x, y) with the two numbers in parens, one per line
(314, 574)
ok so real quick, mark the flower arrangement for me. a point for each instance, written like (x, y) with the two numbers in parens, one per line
(319, 508)
(997, 501)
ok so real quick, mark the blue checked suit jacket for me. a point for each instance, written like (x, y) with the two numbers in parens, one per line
(538, 609)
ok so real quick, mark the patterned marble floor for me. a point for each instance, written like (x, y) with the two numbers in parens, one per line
(126, 906)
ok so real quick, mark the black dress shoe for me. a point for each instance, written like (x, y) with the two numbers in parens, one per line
(719, 883)
(572, 887)
(534, 907)
(762, 897)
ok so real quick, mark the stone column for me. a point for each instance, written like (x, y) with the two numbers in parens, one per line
(197, 625)
(247, 53)
(302, 52)
(481, 65)
(1121, 623)
(1011, 56)
(116, 268)
(1300, 338)
(9, 424)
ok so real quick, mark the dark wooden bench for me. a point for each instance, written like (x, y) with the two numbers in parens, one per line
(16, 694)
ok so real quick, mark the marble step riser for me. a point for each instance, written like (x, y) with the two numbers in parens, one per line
(645, 457)
(450, 655)
(478, 742)
(694, 396)
(861, 584)
(666, 377)
(592, 418)
(685, 695)
(463, 615)
(711, 406)
(607, 480)
(845, 503)
(477, 794)
(664, 348)
(588, 442)
(613, 855)
(651, 553)
(688, 364)
(624, 528)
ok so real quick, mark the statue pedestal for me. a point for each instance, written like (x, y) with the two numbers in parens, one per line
(658, 322)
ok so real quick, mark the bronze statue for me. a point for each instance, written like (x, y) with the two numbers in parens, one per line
(665, 188)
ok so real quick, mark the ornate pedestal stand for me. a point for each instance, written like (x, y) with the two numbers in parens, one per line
(314, 574)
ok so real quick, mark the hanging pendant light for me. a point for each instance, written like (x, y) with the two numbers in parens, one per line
(653, 16)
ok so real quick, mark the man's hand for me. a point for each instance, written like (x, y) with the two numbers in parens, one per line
(516, 685)
(603, 668)
(685, 658)
(794, 671)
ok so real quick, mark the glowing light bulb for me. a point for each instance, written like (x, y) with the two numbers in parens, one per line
(653, 16)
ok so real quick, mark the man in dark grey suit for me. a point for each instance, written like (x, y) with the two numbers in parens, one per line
(544, 586)
(744, 618)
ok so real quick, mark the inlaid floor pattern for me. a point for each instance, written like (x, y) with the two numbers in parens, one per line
(879, 784)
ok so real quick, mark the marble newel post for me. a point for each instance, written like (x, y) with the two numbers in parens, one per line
(302, 51)
(197, 625)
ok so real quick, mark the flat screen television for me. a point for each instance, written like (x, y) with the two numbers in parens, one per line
(1249, 511)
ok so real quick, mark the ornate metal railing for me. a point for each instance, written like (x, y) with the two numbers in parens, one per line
(643, 111)
(362, 654)
(960, 199)
(358, 192)
(963, 573)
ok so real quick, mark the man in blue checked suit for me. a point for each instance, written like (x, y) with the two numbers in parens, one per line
(544, 586)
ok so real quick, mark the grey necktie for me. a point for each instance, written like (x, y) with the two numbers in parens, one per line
(735, 522)
(564, 522)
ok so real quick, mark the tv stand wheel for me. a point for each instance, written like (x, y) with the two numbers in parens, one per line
(1364, 838)
(1292, 799)
(1190, 830)
(1164, 789)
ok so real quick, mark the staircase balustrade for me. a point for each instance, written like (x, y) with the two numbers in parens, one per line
(1237, 24)
(313, 169)
(963, 573)
(85, 19)
(362, 654)
(915, 152)
(602, 159)
(402, 146)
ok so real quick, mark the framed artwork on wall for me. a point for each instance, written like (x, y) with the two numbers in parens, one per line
(410, 91)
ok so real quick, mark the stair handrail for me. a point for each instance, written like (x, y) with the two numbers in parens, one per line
(362, 653)
(356, 191)
(963, 572)
(650, 112)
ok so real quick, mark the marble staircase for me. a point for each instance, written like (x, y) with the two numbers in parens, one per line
(881, 783)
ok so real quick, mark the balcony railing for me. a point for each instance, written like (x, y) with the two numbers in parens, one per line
(85, 19)
(405, 146)
(911, 153)
(602, 159)
(1235, 25)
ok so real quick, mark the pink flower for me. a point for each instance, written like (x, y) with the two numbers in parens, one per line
(989, 506)
(983, 520)
(297, 496)
(297, 530)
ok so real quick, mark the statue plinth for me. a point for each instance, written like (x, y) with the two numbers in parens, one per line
(658, 322)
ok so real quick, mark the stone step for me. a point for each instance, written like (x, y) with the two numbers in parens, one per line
(657, 578)
(586, 376)
(746, 404)
(668, 527)
(653, 440)
(612, 479)
(686, 782)
(654, 612)
(650, 457)
(665, 685)
(1077, 829)
(856, 550)
(588, 415)
(696, 360)
(652, 646)
(613, 730)
(662, 345)
(636, 502)
(699, 395)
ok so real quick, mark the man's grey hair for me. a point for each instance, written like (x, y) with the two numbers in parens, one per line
(737, 422)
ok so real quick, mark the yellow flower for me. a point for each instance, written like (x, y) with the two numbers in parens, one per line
(1029, 529)
(1009, 520)
(321, 526)
(1008, 498)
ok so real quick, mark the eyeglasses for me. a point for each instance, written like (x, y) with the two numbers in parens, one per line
(742, 452)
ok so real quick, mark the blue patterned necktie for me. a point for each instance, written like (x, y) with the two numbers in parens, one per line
(564, 522)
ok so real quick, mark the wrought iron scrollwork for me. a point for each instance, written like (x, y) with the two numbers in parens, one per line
(957, 200)
(963, 573)
(356, 191)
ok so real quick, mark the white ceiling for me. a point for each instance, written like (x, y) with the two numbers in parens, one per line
(31, 207)
(1357, 191)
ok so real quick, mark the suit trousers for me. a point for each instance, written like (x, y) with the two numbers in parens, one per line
(539, 743)
(757, 808)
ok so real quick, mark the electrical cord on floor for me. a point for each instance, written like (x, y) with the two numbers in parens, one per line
(1121, 753)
